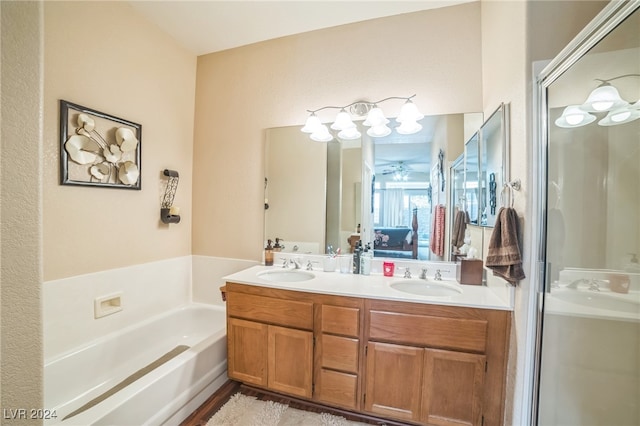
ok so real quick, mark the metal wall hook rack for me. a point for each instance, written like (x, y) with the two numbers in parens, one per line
(168, 213)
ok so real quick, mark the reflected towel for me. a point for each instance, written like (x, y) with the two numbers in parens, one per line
(437, 231)
(459, 229)
(503, 256)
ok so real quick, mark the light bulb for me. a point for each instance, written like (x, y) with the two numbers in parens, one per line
(312, 124)
(603, 98)
(349, 134)
(620, 116)
(343, 121)
(322, 134)
(574, 119)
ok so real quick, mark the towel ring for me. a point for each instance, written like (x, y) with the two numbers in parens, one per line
(513, 186)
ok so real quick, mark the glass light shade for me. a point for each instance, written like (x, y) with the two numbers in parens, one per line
(603, 98)
(322, 134)
(620, 116)
(375, 118)
(574, 116)
(343, 121)
(349, 134)
(379, 131)
(408, 127)
(312, 124)
(409, 111)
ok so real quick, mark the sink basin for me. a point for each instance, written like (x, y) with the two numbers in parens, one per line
(286, 275)
(427, 288)
(597, 300)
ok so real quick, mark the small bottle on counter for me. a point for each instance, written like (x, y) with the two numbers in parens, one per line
(277, 246)
(268, 254)
(357, 254)
(365, 260)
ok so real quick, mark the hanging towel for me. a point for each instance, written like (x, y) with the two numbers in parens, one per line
(503, 256)
(459, 229)
(437, 231)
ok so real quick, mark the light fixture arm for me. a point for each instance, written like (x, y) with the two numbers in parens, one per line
(361, 102)
(606, 81)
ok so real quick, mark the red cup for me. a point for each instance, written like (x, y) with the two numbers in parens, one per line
(388, 268)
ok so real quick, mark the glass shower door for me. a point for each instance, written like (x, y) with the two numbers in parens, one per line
(589, 366)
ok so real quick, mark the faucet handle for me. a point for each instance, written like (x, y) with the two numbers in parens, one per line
(285, 262)
(438, 276)
(407, 272)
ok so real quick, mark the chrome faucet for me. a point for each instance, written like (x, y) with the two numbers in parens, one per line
(296, 264)
(423, 274)
(438, 276)
(407, 273)
(594, 285)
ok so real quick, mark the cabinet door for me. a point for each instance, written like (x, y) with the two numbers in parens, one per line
(452, 388)
(393, 380)
(290, 361)
(247, 351)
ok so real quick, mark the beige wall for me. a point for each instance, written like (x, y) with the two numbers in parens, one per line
(240, 92)
(104, 56)
(21, 210)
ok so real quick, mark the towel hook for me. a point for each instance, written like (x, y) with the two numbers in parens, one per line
(514, 185)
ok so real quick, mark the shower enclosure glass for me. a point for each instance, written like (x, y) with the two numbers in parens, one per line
(589, 331)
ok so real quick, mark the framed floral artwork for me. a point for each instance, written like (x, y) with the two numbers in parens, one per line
(97, 149)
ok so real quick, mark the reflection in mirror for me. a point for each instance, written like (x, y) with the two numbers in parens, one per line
(318, 193)
(472, 194)
(591, 233)
(493, 163)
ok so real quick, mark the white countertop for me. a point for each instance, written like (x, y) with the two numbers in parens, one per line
(374, 286)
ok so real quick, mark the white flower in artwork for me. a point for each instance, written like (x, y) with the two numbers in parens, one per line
(81, 149)
(112, 154)
(126, 139)
(86, 122)
(100, 171)
(128, 173)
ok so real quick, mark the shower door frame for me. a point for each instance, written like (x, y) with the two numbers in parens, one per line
(607, 20)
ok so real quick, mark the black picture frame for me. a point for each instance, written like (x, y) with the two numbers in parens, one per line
(83, 158)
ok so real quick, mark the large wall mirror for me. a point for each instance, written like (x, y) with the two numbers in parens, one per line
(479, 176)
(375, 190)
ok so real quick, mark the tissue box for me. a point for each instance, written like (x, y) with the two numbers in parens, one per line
(470, 272)
(619, 283)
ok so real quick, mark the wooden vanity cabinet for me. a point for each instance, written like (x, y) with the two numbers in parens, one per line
(270, 341)
(302, 344)
(435, 365)
(419, 363)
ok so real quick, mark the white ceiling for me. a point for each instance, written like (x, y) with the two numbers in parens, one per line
(213, 25)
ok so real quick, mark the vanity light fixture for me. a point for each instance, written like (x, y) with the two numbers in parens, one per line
(375, 120)
(604, 98)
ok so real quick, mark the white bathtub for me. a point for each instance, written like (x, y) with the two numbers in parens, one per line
(166, 395)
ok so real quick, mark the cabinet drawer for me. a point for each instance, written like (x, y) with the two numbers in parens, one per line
(338, 388)
(340, 320)
(340, 353)
(429, 331)
(288, 313)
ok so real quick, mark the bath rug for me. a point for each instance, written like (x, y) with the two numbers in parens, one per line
(132, 378)
(243, 410)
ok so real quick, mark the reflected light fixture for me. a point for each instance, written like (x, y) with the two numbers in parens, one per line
(604, 98)
(375, 120)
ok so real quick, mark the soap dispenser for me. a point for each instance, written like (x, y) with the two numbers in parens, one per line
(357, 254)
(277, 246)
(268, 254)
(365, 260)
